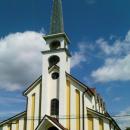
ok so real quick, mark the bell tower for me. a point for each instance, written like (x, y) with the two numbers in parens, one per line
(56, 62)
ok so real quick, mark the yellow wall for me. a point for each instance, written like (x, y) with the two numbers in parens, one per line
(32, 112)
(68, 105)
(17, 125)
(101, 126)
(90, 122)
(9, 127)
(77, 110)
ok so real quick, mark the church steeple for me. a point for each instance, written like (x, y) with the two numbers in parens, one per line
(57, 25)
(56, 62)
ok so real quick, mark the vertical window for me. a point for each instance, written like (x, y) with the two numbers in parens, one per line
(32, 112)
(101, 125)
(90, 122)
(55, 107)
(68, 105)
(77, 110)
(17, 125)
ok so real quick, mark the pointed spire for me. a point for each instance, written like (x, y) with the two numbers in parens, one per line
(57, 25)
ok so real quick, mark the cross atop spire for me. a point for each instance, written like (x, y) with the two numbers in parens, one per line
(57, 25)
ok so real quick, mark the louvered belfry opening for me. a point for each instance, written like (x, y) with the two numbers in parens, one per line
(53, 60)
(55, 45)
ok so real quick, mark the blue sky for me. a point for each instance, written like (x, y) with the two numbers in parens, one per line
(99, 31)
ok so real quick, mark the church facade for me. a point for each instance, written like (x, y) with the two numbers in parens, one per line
(57, 100)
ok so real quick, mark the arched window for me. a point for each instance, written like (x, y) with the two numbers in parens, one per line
(55, 107)
(53, 60)
(54, 45)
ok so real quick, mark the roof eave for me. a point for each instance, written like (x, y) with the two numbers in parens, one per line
(32, 86)
(51, 36)
(83, 85)
(22, 114)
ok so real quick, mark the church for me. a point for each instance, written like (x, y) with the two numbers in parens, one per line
(57, 100)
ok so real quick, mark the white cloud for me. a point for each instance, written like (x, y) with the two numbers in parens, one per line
(113, 69)
(117, 63)
(20, 59)
(124, 118)
(107, 49)
(79, 56)
(118, 47)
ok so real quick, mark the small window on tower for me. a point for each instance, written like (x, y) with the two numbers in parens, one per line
(55, 107)
(54, 45)
(55, 75)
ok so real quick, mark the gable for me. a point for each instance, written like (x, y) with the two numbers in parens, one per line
(32, 86)
(49, 122)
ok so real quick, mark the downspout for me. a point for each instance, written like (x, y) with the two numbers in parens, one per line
(83, 108)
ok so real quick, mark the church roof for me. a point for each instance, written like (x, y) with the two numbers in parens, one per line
(57, 25)
(51, 120)
(53, 36)
(106, 116)
(55, 120)
(80, 83)
(33, 85)
(112, 120)
(14, 118)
